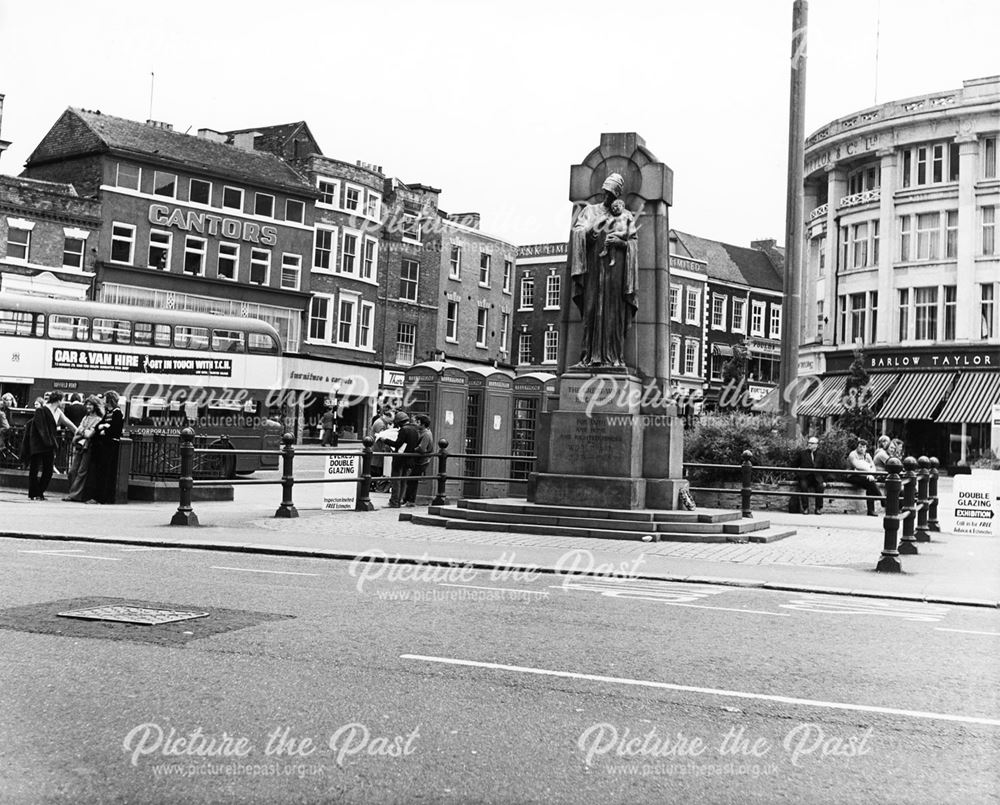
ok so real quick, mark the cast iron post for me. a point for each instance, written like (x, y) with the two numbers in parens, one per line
(908, 545)
(364, 503)
(747, 483)
(184, 514)
(932, 515)
(440, 498)
(889, 563)
(287, 507)
(923, 478)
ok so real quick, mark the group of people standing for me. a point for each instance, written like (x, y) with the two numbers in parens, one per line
(96, 425)
(402, 451)
(859, 459)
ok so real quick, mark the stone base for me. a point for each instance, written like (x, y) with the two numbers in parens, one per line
(663, 493)
(594, 491)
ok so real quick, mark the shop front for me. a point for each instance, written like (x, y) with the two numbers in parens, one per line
(312, 387)
(938, 401)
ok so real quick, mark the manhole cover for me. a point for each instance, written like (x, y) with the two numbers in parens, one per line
(133, 614)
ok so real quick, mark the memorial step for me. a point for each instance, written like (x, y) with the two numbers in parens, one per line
(519, 506)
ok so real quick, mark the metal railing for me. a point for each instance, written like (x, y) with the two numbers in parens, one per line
(189, 454)
(10, 451)
(911, 498)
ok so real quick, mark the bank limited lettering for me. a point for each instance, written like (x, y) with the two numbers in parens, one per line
(213, 225)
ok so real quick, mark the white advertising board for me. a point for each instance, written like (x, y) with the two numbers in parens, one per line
(977, 504)
(340, 492)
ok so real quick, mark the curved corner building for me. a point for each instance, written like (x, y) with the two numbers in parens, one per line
(902, 260)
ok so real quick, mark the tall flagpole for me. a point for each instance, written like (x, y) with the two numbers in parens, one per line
(790, 324)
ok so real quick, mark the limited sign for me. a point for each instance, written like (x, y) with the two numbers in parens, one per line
(340, 492)
(79, 359)
(977, 504)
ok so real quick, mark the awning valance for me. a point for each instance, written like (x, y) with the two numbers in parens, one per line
(917, 395)
(973, 398)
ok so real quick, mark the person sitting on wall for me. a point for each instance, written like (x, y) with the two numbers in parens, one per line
(810, 481)
(860, 459)
(882, 454)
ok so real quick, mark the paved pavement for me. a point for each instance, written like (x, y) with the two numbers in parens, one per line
(834, 553)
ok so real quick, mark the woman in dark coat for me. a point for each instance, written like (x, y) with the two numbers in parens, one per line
(102, 474)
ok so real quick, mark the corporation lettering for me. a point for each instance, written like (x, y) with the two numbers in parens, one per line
(213, 225)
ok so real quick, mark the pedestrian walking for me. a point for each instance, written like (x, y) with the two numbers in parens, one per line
(41, 440)
(103, 470)
(810, 481)
(860, 459)
(419, 464)
(328, 425)
(80, 467)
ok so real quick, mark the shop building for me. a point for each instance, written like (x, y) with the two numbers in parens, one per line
(743, 305)
(476, 295)
(188, 222)
(540, 271)
(901, 262)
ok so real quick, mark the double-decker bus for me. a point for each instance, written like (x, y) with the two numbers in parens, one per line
(172, 369)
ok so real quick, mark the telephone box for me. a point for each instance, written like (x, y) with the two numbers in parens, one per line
(487, 431)
(440, 391)
(531, 394)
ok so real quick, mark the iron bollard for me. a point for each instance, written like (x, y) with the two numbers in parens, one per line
(747, 483)
(932, 490)
(908, 545)
(185, 514)
(440, 499)
(923, 479)
(287, 507)
(889, 562)
(364, 503)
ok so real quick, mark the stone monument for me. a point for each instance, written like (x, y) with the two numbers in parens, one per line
(615, 440)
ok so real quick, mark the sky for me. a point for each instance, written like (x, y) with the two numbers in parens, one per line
(493, 101)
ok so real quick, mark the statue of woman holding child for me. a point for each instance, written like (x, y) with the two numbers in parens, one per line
(603, 268)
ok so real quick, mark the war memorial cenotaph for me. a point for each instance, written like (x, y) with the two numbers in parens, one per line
(615, 440)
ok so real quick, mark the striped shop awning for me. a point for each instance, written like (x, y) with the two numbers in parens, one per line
(879, 384)
(917, 395)
(972, 399)
(825, 399)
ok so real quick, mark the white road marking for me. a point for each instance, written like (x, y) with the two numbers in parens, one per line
(254, 570)
(504, 589)
(737, 694)
(74, 553)
(659, 591)
(965, 631)
(126, 550)
(843, 605)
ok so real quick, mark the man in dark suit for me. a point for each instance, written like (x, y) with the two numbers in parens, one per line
(810, 481)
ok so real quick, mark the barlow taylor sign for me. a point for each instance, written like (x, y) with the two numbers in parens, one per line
(911, 359)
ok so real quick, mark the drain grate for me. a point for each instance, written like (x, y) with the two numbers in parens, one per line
(133, 614)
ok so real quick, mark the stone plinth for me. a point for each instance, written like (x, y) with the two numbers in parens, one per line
(604, 450)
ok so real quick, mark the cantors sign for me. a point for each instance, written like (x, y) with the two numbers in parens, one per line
(205, 223)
